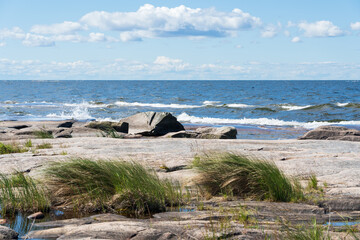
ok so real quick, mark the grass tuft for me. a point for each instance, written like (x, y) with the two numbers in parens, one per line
(43, 134)
(125, 187)
(313, 182)
(313, 232)
(243, 176)
(21, 193)
(28, 143)
(11, 148)
(44, 146)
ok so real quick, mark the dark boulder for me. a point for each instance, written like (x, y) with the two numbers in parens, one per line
(152, 123)
(109, 126)
(332, 133)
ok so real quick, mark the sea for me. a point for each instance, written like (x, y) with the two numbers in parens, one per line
(258, 109)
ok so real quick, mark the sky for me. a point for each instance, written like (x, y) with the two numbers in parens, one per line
(180, 40)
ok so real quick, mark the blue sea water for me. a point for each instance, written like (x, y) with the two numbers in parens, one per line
(259, 109)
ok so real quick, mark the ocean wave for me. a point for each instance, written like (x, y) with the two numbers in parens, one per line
(156, 105)
(238, 105)
(289, 107)
(184, 117)
(211, 103)
(78, 113)
(341, 104)
(86, 105)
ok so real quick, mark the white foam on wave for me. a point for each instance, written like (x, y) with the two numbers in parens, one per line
(184, 117)
(341, 104)
(211, 103)
(156, 105)
(289, 107)
(238, 105)
(85, 105)
(78, 113)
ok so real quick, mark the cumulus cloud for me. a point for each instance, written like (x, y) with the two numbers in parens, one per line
(320, 29)
(58, 28)
(2, 44)
(355, 26)
(14, 33)
(151, 21)
(270, 31)
(296, 40)
(168, 64)
(33, 40)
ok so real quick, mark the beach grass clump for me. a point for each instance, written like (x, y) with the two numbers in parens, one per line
(44, 146)
(11, 148)
(21, 193)
(28, 143)
(313, 232)
(125, 187)
(43, 134)
(246, 177)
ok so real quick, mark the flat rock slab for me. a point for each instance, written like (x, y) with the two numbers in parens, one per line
(335, 162)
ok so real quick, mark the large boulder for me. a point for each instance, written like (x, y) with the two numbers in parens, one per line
(7, 233)
(216, 133)
(152, 123)
(332, 133)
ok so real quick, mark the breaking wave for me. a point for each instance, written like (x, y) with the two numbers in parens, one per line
(185, 118)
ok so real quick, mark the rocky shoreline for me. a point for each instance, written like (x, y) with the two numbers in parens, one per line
(335, 163)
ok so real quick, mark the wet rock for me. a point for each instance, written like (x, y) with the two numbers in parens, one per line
(153, 123)
(332, 133)
(216, 133)
(8, 233)
(66, 124)
(37, 215)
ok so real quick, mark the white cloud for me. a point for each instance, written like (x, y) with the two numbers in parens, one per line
(320, 29)
(58, 28)
(2, 44)
(168, 64)
(166, 68)
(150, 21)
(296, 40)
(355, 26)
(270, 31)
(97, 37)
(15, 33)
(239, 46)
(33, 40)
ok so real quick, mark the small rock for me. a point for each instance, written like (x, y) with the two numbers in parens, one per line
(181, 134)
(8, 233)
(332, 133)
(283, 159)
(37, 215)
(2, 221)
(131, 136)
(62, 133)
(216, 133)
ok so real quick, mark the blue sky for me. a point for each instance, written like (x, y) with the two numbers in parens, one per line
(170, 39)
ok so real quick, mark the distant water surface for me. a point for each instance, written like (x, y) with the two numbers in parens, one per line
(259, 109)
